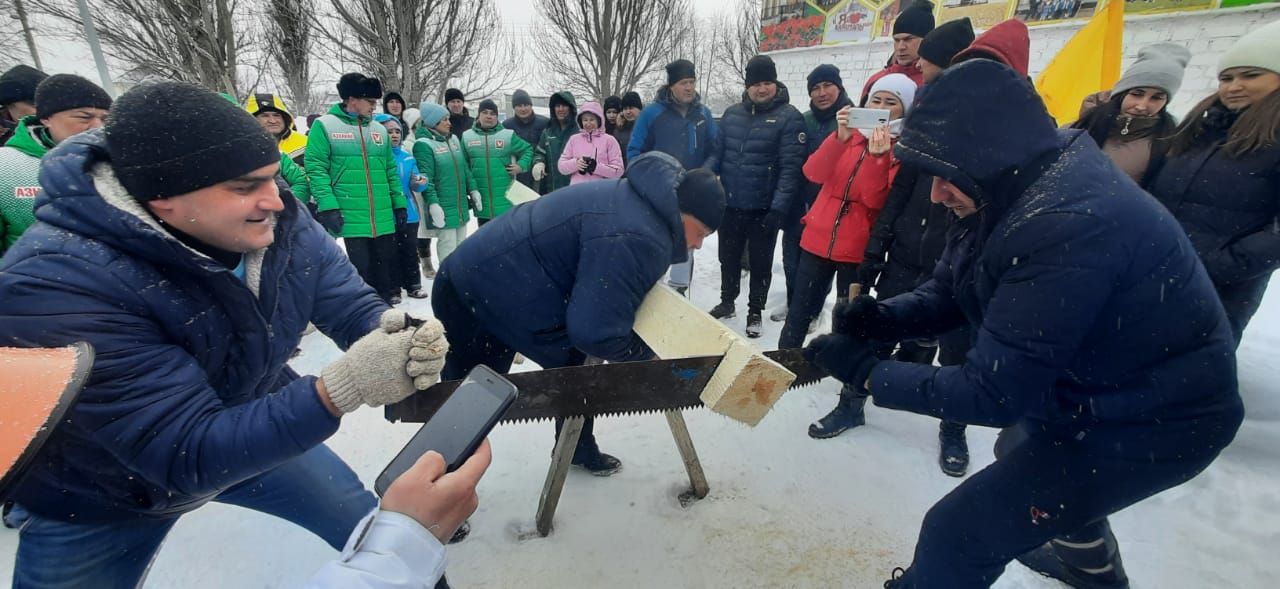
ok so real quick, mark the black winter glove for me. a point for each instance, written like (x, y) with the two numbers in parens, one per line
(847, 358)
(773, 221)
(402, 217)
(869, 270)
(862, 318)
(332, 221)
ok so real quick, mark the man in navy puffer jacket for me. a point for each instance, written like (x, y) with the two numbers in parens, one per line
(163, 242)
(1097, 335)
(761, 153)
(560, 278)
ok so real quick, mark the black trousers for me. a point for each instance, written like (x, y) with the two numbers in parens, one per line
(1058, 480)
(471, 344)
(791, 233)
(812, 284)
(407, 273)
(745, 231)
(375, 259)
(424, 247)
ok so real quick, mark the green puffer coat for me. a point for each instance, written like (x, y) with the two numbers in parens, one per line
(488, 153)
(351, 168)
(442, 160)
(553, 140)
(20, 179)
(296, 179)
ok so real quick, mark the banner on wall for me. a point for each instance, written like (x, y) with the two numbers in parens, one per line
(787, 24)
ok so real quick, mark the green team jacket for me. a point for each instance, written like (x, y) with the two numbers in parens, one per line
(351, 168)
(295, 178)
(488, 153)
(442, 160)
(20, 179)
(554, 138)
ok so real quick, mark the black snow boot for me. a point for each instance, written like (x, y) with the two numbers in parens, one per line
(597, 463)
(724, 310)
(1087, 559)
(953, 451)
(754, 324)
(847, 414)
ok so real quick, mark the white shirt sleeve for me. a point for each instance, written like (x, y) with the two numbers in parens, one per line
(387, 550)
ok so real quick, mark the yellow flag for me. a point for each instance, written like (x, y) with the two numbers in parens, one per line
(1088, 63)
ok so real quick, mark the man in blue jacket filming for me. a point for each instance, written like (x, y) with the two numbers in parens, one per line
(1099, 343)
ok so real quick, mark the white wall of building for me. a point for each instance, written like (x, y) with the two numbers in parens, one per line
(1208, 34)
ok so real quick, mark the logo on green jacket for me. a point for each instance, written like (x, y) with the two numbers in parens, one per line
(26, 192)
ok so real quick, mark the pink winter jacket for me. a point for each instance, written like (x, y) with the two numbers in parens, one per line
(596, 144)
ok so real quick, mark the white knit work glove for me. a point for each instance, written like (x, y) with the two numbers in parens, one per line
(476, 202)
(539, 171)
(427, 355)
(437, 215)
(374, 371)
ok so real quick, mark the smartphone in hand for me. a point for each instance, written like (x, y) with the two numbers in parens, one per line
(867, 118)
(458, 427)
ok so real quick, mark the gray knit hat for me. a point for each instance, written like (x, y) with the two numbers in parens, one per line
(1158, 66)
(1259, 48)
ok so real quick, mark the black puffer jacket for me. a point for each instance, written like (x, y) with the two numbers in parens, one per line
(761, 152)
(911, 229)
(1229, 208)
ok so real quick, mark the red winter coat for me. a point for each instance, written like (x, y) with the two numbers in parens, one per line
(855, 185)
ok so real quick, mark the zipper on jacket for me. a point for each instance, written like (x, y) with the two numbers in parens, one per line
(845, 204)
(488, 172)
(368, 182)
(457, 177)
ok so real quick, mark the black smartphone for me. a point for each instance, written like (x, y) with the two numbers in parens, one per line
(458, 427)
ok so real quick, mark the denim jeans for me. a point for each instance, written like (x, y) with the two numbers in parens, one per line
(316, 490)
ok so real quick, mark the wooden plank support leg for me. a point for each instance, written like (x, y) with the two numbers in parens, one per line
(561, 457)
(684, 443)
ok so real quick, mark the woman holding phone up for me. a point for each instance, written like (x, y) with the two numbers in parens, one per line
(855, 168)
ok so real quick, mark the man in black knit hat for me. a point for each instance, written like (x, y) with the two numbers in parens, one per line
(17, 97)
(612, 106)
(528, 126)
(630, 110)
(162, 241)
(677, 124)
(913, 23)
(459, 118)
(761, 151)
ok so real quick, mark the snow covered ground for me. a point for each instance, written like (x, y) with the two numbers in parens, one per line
(784, 510)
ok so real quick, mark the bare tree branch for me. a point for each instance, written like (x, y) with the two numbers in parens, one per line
(605, 47)
(288, 25)
(190, 40)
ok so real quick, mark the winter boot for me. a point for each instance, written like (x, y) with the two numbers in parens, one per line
(953, 454)
(779, 314)
(1087, 559)
(428, 270)
(417, 293)
(847, 414)
(724, 310)
(598, 463)
(461, 534)
(754, 324)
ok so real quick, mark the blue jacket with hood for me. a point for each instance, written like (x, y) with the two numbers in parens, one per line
(190, 392)
(690, 138)
(1087, 300)
(575, 265)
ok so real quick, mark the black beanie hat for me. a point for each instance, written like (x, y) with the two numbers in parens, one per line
(944, 42)
(520, 97)
(680, 69)
(612, 102)
(170, 138)
(19, 84)
(632, 99)
(916, 19)
(825, 73)
(63, 92)
(393, 95)
(356, 85)
(453, 94)
(701, 195)
(761, 69)
(487, 104)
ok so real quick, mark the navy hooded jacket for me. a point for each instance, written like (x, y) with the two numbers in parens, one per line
(1087, 300)
(570, 269)
(690, 138)
(761, 152)
(189, 393)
